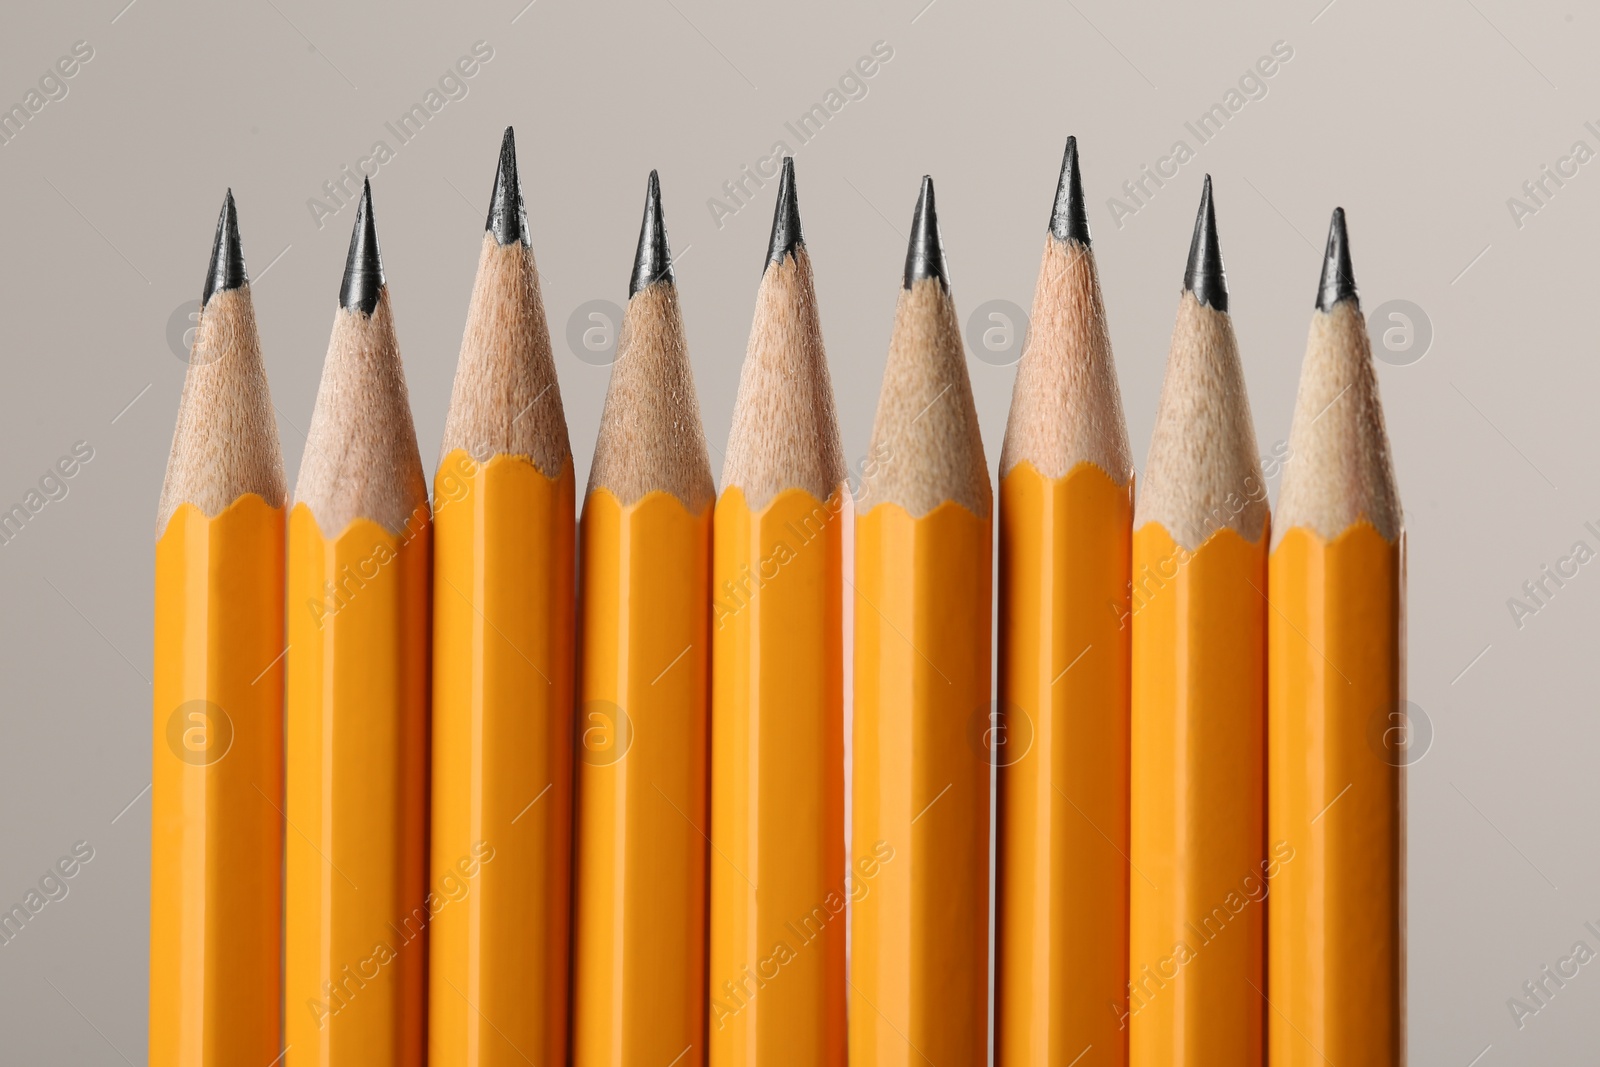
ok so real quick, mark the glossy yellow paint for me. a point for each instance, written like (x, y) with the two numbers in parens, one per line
(919, 932)
(1061, 745)
(357, 793)
(777, 964)
(502, 761)
(1335, 710)
(216, 835)
(639, 957)
(1198, 811)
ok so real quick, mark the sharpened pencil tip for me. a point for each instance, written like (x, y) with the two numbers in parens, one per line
(786, 236)
(925, 251)
(1338, 278)
(653, 261)
(227, 256)
(1204, 276)
(1069, 221)
(363, 266)
(508, 217)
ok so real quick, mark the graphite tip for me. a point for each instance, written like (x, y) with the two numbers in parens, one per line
(227, 257)
(652, 262)
(925, 251)
(1069, 221)
(1204, 276)
(508, 217)
(1338, 279)
(363, 266)
(786, 236)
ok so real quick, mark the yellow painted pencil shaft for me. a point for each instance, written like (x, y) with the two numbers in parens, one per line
(1336, 691)
(777, 977)
(1061, 743)
(639, 985)
(502, 761)
(1198, 810)
(358, 909)
(216, 851)
(920, 928)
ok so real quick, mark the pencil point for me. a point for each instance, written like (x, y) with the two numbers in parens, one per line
(786, 236)
(363, 266)
(1338, 279)
(1204, 276)
(653, 262)
(227, 257)
(508, 217)
(925, 252)
(1069, 221)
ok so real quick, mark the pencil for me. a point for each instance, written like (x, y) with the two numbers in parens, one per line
(358, 697)
(639, 956)
(1336, 714)
(1199, 676)
(777, 978)
(1060, 738)
(920, 828)
(216, 838)
(503, 666)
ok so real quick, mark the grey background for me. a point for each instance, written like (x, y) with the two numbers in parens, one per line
(1420, 119)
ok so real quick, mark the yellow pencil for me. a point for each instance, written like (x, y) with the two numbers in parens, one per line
(639, 966)
(777, 978)
(216, 837)
(358, 698)
(1337, 720)
(1198, 609)
(920, 828)
(1061, 731)
(503, 664)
